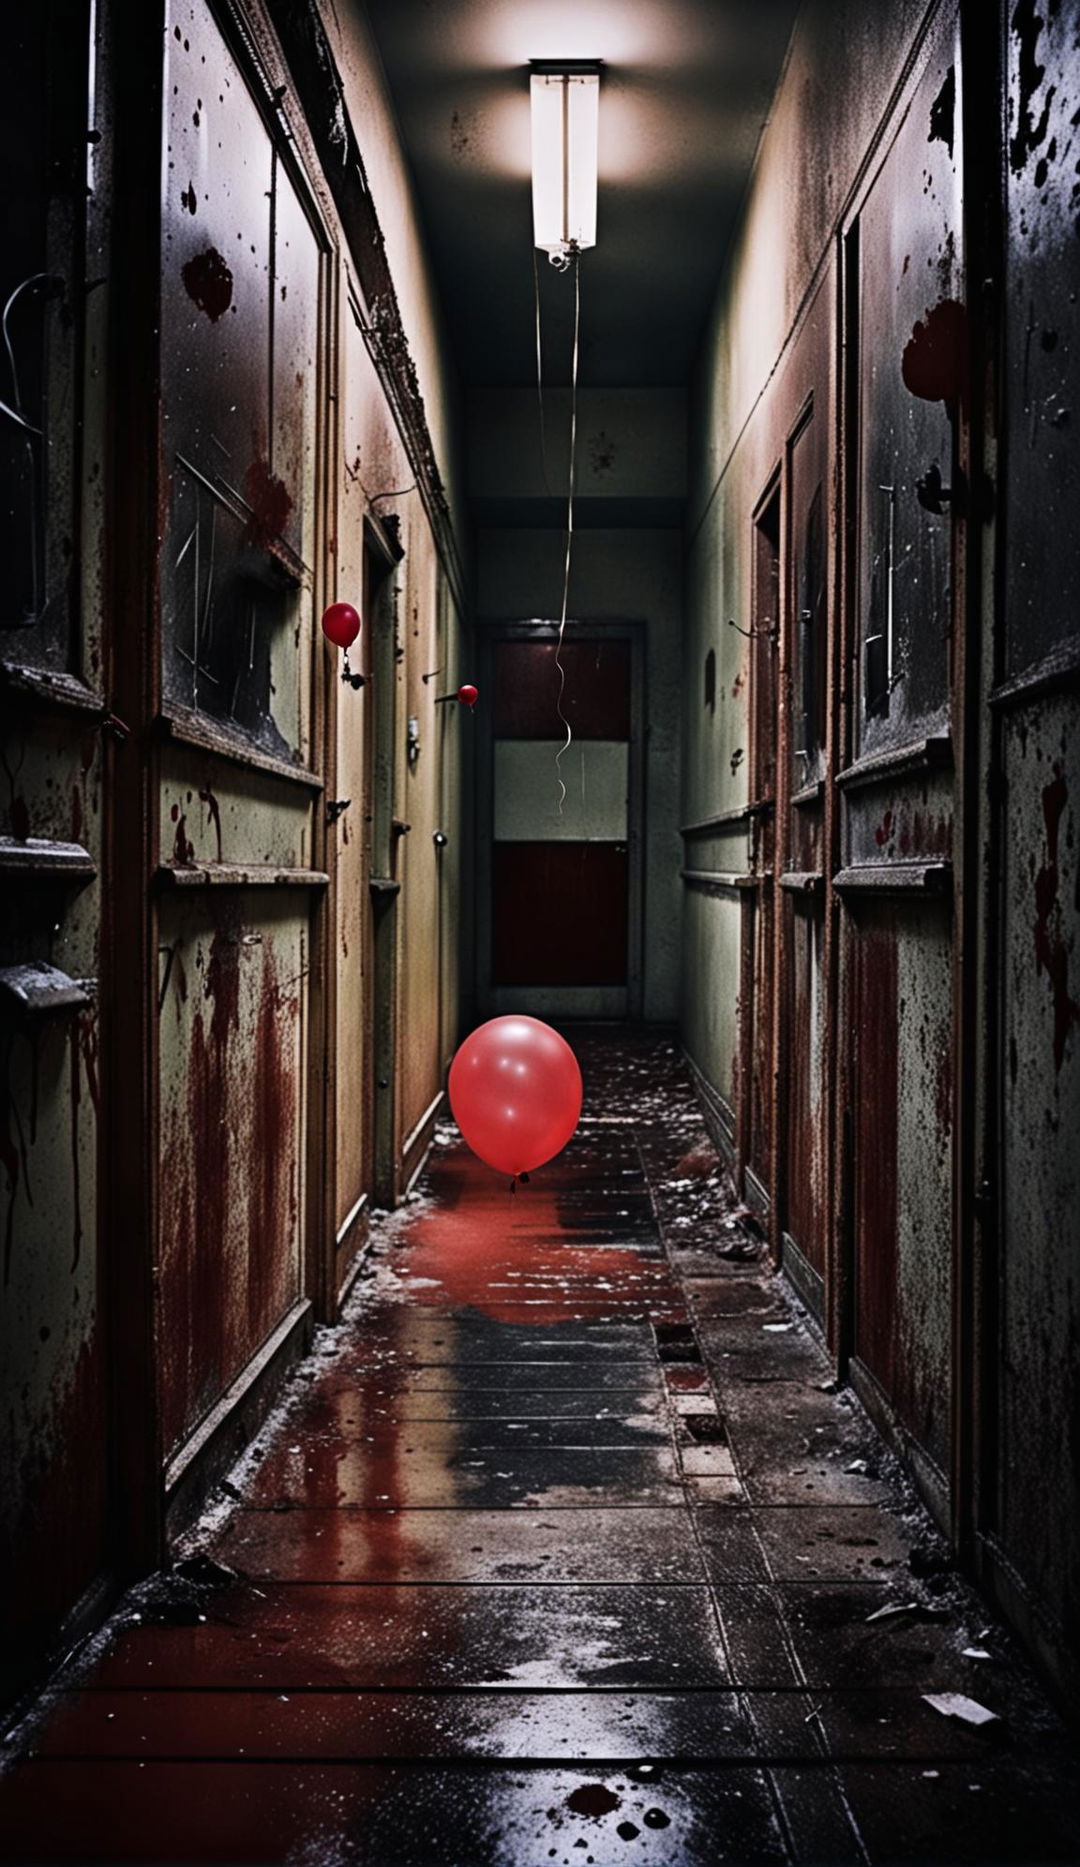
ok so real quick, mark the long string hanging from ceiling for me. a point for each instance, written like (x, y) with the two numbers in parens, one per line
(564, 130)
(575, 266)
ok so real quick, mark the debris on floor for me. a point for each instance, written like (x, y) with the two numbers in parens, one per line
(567, 1544)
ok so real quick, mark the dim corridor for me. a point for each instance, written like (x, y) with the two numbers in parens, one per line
(563, 1548)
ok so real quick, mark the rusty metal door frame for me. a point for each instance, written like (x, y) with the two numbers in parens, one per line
(133, 684)
(793, 888)
(768, 517)
(979, 660)
(387, 831)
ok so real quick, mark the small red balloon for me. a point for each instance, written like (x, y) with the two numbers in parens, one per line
(515, 1089)
(468, 695)
(341, 624)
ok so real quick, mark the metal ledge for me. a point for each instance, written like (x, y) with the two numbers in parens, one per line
(895, 878)
(238, 875)
(40, 860)
(383, 885)
(803, 882)
(184, 727)
(933, 754)
(54, 688)
(721, 881)
(729, 819)
(37, 990)
(1057, 672)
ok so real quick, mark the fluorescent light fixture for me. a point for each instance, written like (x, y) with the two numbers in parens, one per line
(565, 112)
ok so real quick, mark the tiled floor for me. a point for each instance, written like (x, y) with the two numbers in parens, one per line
(557, 1554)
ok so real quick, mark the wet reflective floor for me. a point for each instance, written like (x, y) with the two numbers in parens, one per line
(558, 1551)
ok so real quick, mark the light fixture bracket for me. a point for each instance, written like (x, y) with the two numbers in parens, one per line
(565, 67)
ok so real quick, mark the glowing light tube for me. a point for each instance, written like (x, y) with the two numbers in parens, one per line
(565, 115)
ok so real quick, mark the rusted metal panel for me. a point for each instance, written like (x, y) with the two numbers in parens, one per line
(240, 283)
(908, 393)
(596, 695)
(1042, 333)
(711, 989)
(901, 1015)
(899, 821)
(43, 160)
(582, 942)
(803, 1109)
(808, 613)
(758, 1030)
(419, 780)
(349, 832)
(911, 385)
(241, 272)
(232, 1062)
(1033, 1305)
(212, 811)
(1039, 1399)
(53, 1450)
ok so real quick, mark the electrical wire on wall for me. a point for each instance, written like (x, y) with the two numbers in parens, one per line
(574, 261)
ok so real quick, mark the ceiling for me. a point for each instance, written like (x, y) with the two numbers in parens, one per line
(684, 96)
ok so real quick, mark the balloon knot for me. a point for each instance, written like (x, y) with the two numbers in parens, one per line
(513, 1184)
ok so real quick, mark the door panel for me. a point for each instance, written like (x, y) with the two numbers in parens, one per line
(804, 1127)
(54, 1545)
(804, 1100)
(758, 998)
(232, 1049)
(910, 384)
(350, 833)
(240, 286)
(907, 300)
(1030, 1394)
(528, 805)
(242, 269)
(595, 696)
(560, 913)
(903, 1013)
(562, 875)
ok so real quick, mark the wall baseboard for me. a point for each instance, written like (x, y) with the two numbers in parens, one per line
(219, 1439)
(719, 1116)
(929, 1479)
(808, 1284)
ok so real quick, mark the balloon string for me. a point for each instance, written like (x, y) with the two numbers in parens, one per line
(565, 747)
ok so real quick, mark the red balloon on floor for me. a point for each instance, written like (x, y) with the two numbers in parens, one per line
(341, 624)
(515, 1089)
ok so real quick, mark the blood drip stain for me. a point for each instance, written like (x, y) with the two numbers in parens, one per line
(270, 501)
(933, 363)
